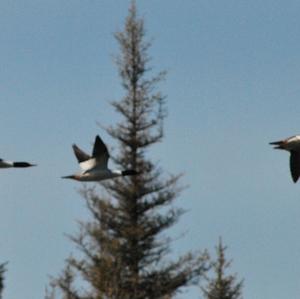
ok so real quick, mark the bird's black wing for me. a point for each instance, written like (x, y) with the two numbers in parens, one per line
(80, 154)
(100, 149)
(295, 165)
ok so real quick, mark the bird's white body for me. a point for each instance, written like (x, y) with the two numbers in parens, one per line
(97, 175)
(94, 168)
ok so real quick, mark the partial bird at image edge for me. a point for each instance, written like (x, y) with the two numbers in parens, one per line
(292, 145)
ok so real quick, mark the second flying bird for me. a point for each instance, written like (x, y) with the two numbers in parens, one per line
(94, 167)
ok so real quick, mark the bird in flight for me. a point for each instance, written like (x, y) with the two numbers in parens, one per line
(10, 164)
(291, 144)
(94, 167)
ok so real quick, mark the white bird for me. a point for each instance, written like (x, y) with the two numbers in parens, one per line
(291, 144)
(94, 168)
(10, 164)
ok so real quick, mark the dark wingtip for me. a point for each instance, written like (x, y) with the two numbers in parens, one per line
(295, 178)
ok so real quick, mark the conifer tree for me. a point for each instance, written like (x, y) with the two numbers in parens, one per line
(221, 285)
(2, 270)
(124, 250)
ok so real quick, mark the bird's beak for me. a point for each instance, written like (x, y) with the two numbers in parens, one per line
(69, 177)
(277, 144)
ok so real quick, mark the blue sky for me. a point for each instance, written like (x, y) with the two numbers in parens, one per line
(233, 86)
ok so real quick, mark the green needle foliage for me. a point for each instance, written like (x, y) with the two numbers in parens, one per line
(124, 253)
(221, 285)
